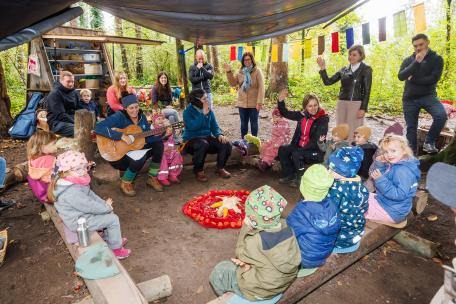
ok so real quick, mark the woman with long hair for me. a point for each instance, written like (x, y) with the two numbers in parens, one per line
(162, 96)
(118, 90)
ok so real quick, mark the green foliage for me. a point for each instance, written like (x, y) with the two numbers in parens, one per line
(96, 18)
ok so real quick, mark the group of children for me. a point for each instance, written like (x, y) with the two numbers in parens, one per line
(331, 217)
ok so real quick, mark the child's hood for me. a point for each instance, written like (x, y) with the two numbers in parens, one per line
(62, 186)
(411, 163)
(322, 216)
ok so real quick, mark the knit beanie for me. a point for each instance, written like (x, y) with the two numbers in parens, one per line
(395, 128)
(346, 161)
(364, 131)
(341, 131)
(264, 206)
(71, 160)
(129, 100)
(315, 183)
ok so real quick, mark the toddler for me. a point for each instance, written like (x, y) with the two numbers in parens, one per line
(87, 102)
(338, 140)
(362, 137)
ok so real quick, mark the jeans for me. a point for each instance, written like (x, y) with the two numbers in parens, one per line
(66, 129)
(211, 102)
(170, 114)
(111, 226)
(200, 147)
(412, 109)
(2, 172)
(247, 114)
(293, 159)
(135, 166)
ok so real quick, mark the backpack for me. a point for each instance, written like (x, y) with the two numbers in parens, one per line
(24, 125)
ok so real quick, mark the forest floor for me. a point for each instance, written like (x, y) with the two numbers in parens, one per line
(39, 269)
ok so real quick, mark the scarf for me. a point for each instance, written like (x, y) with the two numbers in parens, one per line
(84, 180)
(247, 79)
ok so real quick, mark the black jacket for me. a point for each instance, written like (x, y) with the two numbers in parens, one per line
(201, 78)
(425, 75)
(354, 85)
(61, 104)
(369, 150)
(318, 128)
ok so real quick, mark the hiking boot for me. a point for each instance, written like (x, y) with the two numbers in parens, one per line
(153, 182)
(121, 253)
(223, 173)
(201, 176)
(174, 179)
(127, 188)
(165, 182)
(286, 179)
(430, 148)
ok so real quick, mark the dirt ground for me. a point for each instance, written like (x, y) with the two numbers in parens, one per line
(38, 268)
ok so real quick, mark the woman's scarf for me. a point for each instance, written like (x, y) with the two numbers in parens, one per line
(247, 79)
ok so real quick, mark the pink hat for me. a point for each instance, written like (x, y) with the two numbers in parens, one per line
(70, 160)
(156, 116)
(395, 128)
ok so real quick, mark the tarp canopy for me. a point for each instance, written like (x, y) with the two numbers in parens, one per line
(198, 21)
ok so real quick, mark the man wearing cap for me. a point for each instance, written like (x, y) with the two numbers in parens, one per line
(133, 161)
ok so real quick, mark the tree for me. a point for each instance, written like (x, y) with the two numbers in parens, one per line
(208, 53)
(139, 57)
(5, 105)
(268, 65)
(180, 52)
(215, 58)
(96, 19)
(279, 69)
(123, 51)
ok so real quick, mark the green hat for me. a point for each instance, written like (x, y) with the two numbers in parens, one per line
(315, 183)
(264, 206)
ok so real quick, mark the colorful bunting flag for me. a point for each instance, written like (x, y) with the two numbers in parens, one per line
(382, 29)
(366, 33)
(308, 48)
(249, 49)
(285, 50)
(240, 53)
(335, 42)
(420, 18)
(296, 50)
(233, 53)
(350, 37)
(400, 24)
(275, 53)
(321, 44)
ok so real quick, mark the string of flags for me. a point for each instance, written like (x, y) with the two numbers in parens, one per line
(296, 49)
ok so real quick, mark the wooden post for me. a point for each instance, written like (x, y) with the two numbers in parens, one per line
(84, 123)
(182, 69)
(157, 288)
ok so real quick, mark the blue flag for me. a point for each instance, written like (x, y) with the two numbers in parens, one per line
(240, 52)
(350, 37)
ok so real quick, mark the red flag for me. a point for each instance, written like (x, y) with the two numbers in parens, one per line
(233, 53)
(335, 42)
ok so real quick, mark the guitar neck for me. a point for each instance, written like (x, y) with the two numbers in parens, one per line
(157, 131)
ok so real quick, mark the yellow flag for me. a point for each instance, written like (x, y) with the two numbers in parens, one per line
(248, 48)
(308, 48)
(420, 18)
(275, 53)
(296, 50)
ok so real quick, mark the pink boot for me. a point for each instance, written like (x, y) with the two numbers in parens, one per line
(122, 253)
(165, 182)
(174, 179)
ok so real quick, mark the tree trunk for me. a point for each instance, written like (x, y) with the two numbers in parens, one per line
(20, 63)
(5, 105)
(123, 51)
(268, 65)
(208, 54)
(182, 69)
(139, 56)
(303, 37)
(279, 69)
(447, 155)
(215, 59)
(448, 38)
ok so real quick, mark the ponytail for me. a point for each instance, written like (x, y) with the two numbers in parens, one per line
(52, 185)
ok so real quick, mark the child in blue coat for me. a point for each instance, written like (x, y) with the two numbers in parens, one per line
(396, 177)
(315, 220)
(350, 195)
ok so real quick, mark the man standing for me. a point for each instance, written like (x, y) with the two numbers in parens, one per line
(62, 102)
(421, 72)
(200, 74)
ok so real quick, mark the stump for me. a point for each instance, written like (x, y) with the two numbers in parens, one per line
(84, 123)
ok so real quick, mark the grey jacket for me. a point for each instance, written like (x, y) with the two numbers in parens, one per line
(73, 201)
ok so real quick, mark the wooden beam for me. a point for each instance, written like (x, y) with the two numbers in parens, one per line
(103, 39)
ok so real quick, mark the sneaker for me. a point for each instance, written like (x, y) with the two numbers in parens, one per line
(127, 188)
(165, 182)
(430, 148)
(286, 179)
(153, 182)
(174, 179)
(201, 176)
(121, 253)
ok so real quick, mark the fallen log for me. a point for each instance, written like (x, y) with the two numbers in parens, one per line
(417, 244)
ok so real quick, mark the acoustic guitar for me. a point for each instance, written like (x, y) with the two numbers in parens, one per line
(113, 150)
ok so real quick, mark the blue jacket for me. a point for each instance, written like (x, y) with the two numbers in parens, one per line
(350, 195)
(198, 125)
(91, 106)
(397, 186)
(120, 120)
(316, 226)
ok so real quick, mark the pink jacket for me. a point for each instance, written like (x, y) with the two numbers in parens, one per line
(41, 168)
(281, 134)
(113, 100)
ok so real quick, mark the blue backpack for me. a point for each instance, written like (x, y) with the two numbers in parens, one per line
(24, 125)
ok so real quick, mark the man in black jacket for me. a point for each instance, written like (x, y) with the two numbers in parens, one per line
(421, 72)
(200, 74)
(62, 102)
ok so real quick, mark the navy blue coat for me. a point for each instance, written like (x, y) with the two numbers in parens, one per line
(316, 226)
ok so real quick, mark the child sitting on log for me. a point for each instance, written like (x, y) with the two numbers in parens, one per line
(350, 195)
(172, 163)
(338, 140)
(87, 103)
(362, 136)
(315, 219)
(267, 254)
(396, 174)
(70, 190)
(41, 150)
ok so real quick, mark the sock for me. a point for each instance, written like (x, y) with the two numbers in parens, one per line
(129, 176)
(153, 169)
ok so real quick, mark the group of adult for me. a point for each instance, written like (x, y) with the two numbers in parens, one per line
(202, 135)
